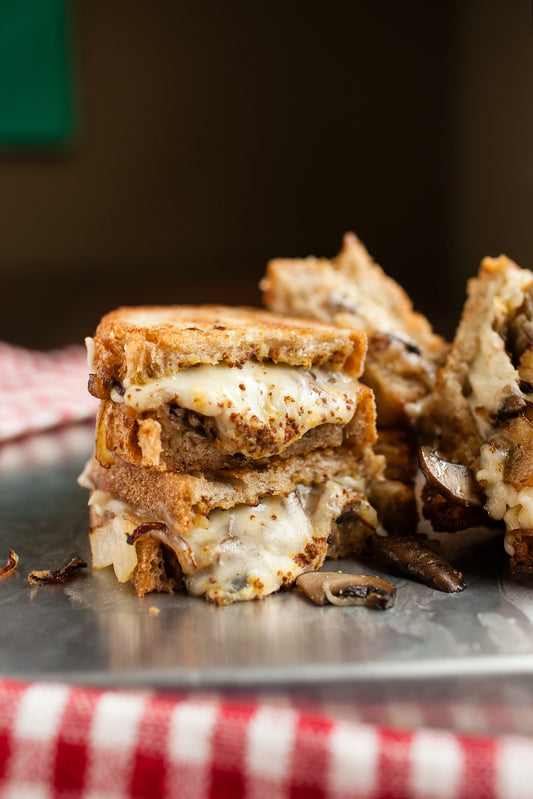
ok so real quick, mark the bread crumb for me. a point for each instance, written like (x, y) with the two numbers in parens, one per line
(153, 610)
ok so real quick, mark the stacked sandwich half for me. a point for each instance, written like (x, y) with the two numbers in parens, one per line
(233, 448)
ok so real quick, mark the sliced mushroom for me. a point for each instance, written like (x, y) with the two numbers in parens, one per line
(338, 588)
(453, 480)
(411, 556)
(11, 565)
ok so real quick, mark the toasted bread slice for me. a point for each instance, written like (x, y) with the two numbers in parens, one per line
(138, 345)
(480, 410)
(352, 291)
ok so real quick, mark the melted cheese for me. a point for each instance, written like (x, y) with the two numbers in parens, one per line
(243, 552)
(492, 377)
(258, 409)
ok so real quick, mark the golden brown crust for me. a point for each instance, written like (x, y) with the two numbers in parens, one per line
(145, 343)
(361, 430)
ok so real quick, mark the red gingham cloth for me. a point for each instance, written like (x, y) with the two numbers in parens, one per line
(41, 390)
(65, 741)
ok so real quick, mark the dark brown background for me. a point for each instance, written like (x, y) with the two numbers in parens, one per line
(215, 136)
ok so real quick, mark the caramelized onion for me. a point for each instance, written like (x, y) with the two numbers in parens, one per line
(11, 565)
(58, 577)
(144, 529)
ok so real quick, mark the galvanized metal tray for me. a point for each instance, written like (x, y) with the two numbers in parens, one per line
(96, 631)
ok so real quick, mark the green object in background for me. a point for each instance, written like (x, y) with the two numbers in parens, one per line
(36, 76)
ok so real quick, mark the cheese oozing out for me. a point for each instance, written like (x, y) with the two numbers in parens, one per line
(259, 408)
(245, 552)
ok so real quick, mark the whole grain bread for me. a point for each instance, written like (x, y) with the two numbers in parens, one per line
(136, 345)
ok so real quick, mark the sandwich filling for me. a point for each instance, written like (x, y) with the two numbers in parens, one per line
(258, 408)
(500, 395)
(244, 552)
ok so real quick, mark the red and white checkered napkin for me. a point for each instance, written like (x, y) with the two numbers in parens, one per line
(63, 741)
(41, 390)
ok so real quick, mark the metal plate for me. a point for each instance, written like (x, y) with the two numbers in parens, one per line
(96, 631)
